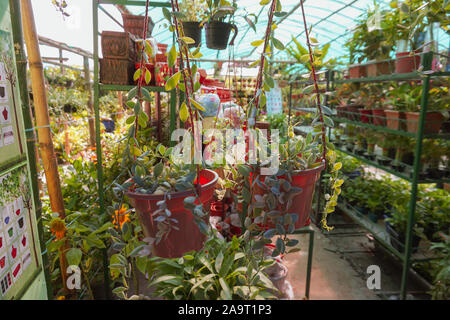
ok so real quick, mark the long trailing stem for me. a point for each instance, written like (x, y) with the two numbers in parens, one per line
(263, 54)
(316, 86)
(175, 8)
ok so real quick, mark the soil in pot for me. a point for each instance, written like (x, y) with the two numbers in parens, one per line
(395, 119)
(406, 63)
(433, 122)
(188, 237)
(378, 117)
(193, 30)
(217, 34)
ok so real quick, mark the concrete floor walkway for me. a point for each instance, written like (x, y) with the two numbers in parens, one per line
(332, 277)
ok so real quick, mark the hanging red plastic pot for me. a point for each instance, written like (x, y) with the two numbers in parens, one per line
(302, 202)
(188, 237)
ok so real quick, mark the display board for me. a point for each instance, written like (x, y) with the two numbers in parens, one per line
(20, 255)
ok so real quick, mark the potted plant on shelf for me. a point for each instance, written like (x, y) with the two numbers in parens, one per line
(192, 19)
(371, 139)
(432, 154)
(398, 99)
(402, 144)
(217, 31)
(387, 143)
(369, 43)
(396, 225)
(414, 17)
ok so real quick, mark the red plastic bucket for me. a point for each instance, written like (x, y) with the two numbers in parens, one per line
(189, 237)
(302, 202)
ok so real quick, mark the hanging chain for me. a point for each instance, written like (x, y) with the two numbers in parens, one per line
(263, 55)
(316, 86)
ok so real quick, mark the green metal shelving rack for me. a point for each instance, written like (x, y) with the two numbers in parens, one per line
(425, 77)
(96, 6)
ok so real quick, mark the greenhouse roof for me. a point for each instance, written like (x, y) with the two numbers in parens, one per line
(331, 21)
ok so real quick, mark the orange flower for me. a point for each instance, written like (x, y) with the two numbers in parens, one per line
(61, 298)
(58, 228)
(120, 217)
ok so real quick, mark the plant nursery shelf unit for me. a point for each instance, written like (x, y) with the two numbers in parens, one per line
(425, 76)
(117, 87)
(395, 77)
(400, 175)
(379, 233)
(444, 136)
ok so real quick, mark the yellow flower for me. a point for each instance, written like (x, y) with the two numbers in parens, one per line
(120, 217)
(61, 298)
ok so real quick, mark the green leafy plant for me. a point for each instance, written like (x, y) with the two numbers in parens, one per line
(301, 54)
(221, 270)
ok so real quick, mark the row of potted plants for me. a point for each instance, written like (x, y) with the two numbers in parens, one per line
(406, 27)
(396, 106)
(385, 198)
(396, 152)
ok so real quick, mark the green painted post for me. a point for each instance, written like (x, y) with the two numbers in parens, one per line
(21, 63)
(427, 58)
(309, 267)
(101, 199)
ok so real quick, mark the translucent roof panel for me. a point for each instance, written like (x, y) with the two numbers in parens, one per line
(331, 21)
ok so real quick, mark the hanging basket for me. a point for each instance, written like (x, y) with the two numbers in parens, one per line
(217, 34)
(193, 30)
(188, 237)
(302, 202)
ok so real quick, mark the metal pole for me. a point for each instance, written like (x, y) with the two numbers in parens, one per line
(98, 140)
(88, 88)
(417, 157)
(61, 60)
(309, 266)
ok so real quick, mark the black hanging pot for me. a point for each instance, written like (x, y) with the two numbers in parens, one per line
(193, 30)
(217, 34)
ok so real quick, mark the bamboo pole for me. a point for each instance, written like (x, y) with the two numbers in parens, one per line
(87, 78)
(43, 123)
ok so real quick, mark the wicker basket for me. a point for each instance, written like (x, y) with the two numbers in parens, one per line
(118, 45)
(135, 24)
(116, 71)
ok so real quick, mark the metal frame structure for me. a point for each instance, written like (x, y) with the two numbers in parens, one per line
(96, 6)
(425, 76)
